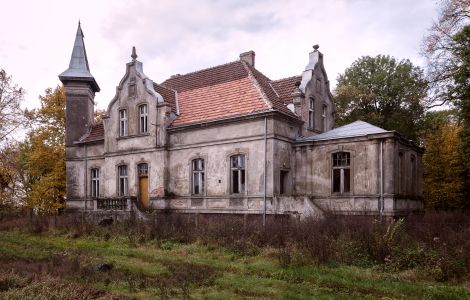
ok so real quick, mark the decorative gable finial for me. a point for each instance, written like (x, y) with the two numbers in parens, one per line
(315, 47)
(134, 54)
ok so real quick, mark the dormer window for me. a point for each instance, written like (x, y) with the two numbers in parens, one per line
(143, 118)
(311, 113)
(123, 122)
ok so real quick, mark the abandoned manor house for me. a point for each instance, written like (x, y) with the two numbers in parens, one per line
(227, 139)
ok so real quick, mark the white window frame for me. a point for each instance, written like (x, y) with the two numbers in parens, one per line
(311, 113)
(123, 124)
(95, 182)
(240, 170)
(323, 115)
(143, 118)
(345, 164)
(197, 171)
(123, 180)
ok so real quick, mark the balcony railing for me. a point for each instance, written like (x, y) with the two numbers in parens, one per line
(123, 203)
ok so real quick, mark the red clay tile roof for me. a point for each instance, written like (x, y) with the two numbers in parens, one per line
(96, 133)
(229, 90)
(270, 92)
(285, 87)
(168, 95)
(211, 76)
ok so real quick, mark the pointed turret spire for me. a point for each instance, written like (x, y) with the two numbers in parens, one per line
(79, 69)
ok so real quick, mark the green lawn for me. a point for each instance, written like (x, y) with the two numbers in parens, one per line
(60, 267)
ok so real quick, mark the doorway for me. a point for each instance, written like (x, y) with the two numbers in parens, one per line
(143, 172)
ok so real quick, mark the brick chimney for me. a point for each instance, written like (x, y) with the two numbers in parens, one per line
(248, 57)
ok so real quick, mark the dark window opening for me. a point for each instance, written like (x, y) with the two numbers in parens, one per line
(237, 173)
(283, 182)
(341, 172)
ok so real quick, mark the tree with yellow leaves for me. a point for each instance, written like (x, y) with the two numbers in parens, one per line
(443, 163)
(43, 154)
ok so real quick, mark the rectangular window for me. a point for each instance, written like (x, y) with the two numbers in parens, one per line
(132, 90)
(311, 113)
(283, 182)
(318, 85)
(122, 180)
(237, 173)
(323, 115)
(95, 183)
(197, 176)
(341, 172)
(143, 118)
(123, 122)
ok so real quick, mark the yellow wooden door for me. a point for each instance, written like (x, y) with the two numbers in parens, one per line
(144, 190)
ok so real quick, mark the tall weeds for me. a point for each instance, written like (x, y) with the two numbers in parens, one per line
(436, 244)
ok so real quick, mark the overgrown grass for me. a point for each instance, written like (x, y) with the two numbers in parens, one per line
(170, 257)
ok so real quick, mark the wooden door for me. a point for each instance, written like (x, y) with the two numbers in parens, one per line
(144, 190)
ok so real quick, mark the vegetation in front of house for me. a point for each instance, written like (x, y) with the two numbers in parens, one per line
(171, 257)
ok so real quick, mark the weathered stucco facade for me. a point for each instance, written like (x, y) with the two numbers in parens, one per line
(229, 140)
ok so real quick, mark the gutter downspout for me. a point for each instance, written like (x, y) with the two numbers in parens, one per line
(86, 176)
(265, 153)
(381, 179)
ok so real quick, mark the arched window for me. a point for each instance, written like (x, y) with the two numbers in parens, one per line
(95, 182)
(311, 113)
(323, 116)
(341, 172)
(237, 174)
(143, 118)
(123, 122)
(197, 176)
(122, 180)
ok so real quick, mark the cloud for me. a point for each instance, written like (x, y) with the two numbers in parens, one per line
(181, 36)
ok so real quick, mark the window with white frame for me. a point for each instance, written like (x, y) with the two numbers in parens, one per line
(143, 169)
(311, 113)
(197, 176)
(237, 173)
(341, 172)
(123, 122)
(95, 183)
(122, 180)
(323, 116)
(143, 118)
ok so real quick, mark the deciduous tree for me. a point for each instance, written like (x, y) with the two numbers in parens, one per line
(43, 154)
(443, 164)
(11, 115)
(383, 91)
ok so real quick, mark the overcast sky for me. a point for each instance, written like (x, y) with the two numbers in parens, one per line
(171, 37)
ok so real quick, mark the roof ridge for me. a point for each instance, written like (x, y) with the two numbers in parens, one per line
(197, 71)
(164, 86)
(290, 77)
(252, 77)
